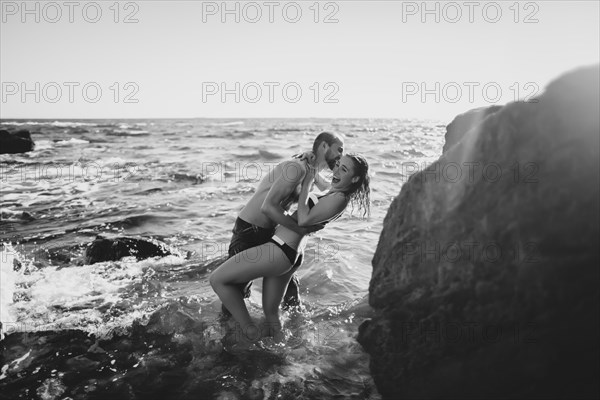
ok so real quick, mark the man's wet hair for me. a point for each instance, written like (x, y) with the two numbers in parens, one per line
(327, 137)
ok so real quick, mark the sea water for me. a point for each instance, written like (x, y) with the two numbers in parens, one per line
(181, 182)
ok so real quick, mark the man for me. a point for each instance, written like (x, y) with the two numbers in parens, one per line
(275, 194)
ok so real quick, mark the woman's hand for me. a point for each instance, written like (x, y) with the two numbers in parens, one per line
(306, 156)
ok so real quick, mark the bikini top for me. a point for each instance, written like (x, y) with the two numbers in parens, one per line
(313, 199)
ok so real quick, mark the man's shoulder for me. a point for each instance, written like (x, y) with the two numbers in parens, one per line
(292, 169)
(293, 161)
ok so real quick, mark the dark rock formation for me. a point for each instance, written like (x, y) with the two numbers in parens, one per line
(15, 142)
(462, 123)
(148, 362)
(176, 355)
(102, 249)
(485, 277)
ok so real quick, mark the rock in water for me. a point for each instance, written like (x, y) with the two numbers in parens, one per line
(15, 142)
(485, 283)
(102, 249)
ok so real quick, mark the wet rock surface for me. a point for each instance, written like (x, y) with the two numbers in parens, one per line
(174, 354)
(462, 123)
(104, 249)
(155, 360)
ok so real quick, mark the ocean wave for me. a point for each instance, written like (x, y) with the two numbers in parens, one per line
(195, 179)
(267, 155)
(285, 130)
(43, 145)
(70, 142)
(8, 277)
(134, 221)
(414, 152)
(74, 297)
(71, 124)
(255, 156)
(232, 123)
(58, 124)
(149, 191)
(127, 133)
(8, 215)
(242, 133)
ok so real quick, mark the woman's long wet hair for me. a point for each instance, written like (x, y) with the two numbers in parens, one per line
(359, 193)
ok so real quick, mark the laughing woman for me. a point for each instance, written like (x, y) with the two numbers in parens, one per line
(277, 260)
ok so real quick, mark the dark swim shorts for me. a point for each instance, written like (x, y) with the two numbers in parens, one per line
(245, 236)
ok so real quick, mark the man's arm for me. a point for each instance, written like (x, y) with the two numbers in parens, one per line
(290, 178)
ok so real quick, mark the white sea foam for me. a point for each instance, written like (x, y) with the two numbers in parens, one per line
(76, 297)
(8, 278)
(71, 141)
(233, 123)
(60, 124)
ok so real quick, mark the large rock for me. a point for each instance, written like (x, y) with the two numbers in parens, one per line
(462, 123)
(486, 285)
(15, 142)
(103, 249)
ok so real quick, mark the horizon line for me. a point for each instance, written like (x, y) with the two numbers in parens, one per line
(6, 120)
(233, 118)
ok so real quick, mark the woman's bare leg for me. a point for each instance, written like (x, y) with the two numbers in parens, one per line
(266, 260)
(274, 288)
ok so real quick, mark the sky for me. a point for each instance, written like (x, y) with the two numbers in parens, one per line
(367, 59)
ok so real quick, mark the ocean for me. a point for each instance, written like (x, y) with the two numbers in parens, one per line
(181, 182)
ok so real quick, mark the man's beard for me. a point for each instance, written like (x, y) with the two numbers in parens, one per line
(331, 162)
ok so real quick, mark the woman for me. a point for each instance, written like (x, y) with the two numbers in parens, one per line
(277, 260)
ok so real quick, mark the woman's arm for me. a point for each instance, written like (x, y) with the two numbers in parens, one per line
(321, 183)
(282, 187)
(323, 210)
(303, 209)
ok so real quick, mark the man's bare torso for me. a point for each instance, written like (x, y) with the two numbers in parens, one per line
(291, 171)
